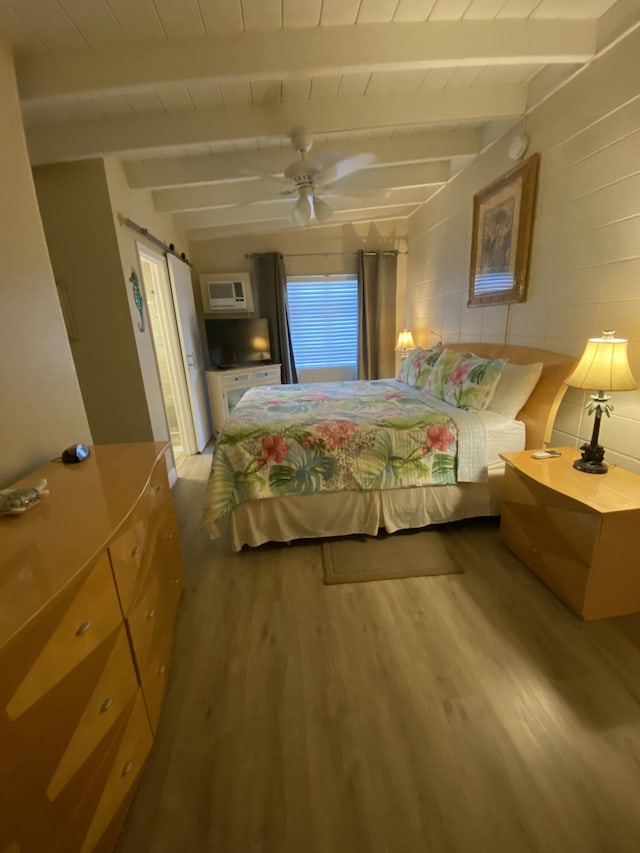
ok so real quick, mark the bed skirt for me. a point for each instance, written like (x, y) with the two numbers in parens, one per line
(283, 519)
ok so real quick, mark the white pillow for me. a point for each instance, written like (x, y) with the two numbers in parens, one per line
(517, 381)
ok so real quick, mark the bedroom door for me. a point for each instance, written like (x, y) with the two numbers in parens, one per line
(166, 344)
(192, 356)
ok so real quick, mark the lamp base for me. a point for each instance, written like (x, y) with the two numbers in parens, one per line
(591, 461)
(591, 467)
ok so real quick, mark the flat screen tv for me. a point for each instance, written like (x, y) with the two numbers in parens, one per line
(235, 343)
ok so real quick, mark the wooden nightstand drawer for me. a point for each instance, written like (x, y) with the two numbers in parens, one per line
(575, 531)
(550, 559)
(553, 522)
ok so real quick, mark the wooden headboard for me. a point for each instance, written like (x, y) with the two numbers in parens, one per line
(539, 412)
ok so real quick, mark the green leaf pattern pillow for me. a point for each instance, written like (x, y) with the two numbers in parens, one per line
(472, 381)
(443, 367)
(417, 366)
(406, 366)
(425, 367)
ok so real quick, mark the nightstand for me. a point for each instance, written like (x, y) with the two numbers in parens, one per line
(577, 532)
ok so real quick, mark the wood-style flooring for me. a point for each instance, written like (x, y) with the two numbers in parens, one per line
(468, 713)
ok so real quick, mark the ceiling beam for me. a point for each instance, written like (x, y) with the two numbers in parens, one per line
(248, 191)
(281, 209)
(75, 140)
(313, 51)
(158, 172)
(339, 218)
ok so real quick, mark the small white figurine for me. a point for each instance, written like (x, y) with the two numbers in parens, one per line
(15, 501)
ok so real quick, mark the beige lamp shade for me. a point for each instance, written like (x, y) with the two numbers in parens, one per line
(603, 366)
(405, 341)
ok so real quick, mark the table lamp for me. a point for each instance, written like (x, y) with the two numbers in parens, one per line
(603, 365)
(405, 343)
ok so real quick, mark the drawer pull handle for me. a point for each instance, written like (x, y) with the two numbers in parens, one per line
(82, 629)
(162, 670)
(151, 613)
(135, 551)
(175, 580)
(108, 702)
(158, 487)
(128, 767)
(169, 536)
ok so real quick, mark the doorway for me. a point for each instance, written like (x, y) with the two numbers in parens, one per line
(166, 342)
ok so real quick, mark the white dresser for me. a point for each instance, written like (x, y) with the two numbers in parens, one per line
(226, 387)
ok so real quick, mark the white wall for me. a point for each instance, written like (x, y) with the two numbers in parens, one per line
(326, 250)
(41, 404)
(137, 205)
(317, 250)
(76, 212)
(585, 265)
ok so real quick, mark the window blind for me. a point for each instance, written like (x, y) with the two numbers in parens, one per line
(323, 316)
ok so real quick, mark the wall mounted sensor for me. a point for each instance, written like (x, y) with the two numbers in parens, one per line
(518, 146)
(75, 453)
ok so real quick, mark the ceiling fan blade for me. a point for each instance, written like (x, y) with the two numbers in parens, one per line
(302, 210)
(273, 184)
(323, 159)
(322, 210)
(343, 168)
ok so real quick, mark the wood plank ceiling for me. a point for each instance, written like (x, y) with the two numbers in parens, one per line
(198, 96)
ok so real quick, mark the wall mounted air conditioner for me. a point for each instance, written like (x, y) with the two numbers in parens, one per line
(226, 292)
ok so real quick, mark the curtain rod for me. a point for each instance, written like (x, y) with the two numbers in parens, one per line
(170, 249)
(250, 255)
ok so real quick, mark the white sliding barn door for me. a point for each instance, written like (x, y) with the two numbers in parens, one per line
(192, 356)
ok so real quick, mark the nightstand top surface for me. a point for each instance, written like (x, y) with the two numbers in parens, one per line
(616, 491)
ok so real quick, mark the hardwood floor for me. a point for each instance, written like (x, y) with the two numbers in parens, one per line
(458, 713)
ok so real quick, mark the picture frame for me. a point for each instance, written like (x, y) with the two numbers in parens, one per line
(501, 237)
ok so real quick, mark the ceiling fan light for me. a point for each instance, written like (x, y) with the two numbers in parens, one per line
(322, 210)
(302, 210)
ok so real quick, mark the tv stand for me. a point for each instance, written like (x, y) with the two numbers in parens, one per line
(249, 365)
(226, 387)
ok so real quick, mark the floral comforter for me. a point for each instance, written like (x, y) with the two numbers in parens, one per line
(338, 436)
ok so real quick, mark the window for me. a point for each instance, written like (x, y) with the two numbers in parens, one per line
(323, 316)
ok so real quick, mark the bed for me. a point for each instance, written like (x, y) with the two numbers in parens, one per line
(335, 459)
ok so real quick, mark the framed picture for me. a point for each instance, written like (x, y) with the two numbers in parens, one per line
(502, 221)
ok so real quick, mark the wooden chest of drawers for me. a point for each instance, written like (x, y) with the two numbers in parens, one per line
(90, 581)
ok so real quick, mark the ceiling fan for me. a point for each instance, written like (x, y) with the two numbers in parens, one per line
(311, 176)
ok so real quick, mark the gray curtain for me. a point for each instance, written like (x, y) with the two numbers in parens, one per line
(271, 284)
(377, 314)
